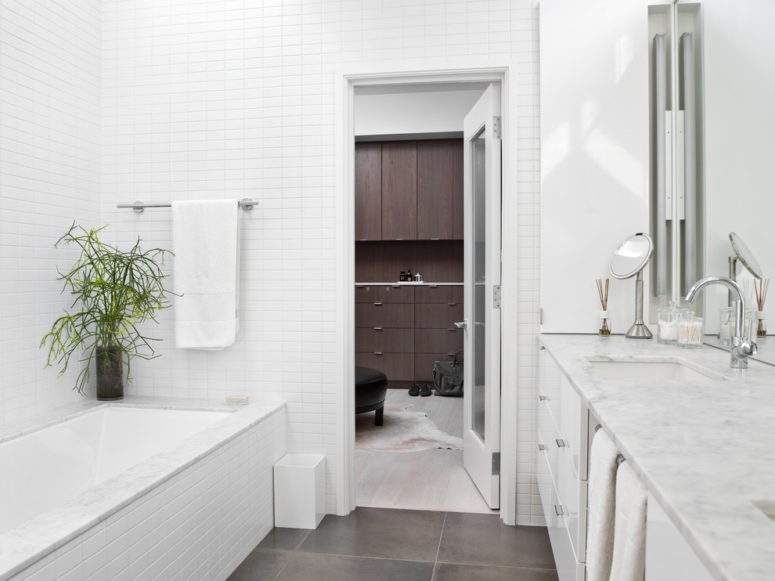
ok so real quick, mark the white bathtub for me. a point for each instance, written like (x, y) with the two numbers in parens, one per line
(128, 492)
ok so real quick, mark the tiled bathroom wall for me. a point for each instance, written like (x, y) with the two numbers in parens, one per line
(231, 98)
(49, 177)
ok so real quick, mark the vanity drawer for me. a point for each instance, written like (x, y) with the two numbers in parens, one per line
(556, 524)
(548, 438)
(437, 316)
(572, 423)
(439, 294)
(369, 339)
(387, 316)
(396, 366)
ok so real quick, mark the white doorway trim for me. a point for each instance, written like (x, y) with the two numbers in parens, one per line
(345, 275)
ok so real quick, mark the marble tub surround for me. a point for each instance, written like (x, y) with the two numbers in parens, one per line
(703, 447)
(38, 542)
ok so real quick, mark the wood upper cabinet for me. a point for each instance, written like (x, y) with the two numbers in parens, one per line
(409, 190)
(440, 190)
(368, 191)
(399, 190)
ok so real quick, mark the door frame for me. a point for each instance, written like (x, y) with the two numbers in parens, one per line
(344, 445)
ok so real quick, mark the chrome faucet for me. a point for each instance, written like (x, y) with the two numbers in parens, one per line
(742, 347)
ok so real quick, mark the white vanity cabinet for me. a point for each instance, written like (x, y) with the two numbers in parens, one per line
(563, 427)
(668, 556)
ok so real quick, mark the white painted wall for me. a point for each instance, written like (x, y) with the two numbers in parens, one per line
(739, 139)
(49, 177)
(594, 156)
(412, 112)
(216, 99)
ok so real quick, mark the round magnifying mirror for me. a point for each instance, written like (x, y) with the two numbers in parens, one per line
(744, 255)
(631, 256)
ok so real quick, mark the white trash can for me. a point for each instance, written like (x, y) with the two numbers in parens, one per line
(299, 491)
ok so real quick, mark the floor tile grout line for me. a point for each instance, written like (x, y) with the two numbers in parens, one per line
(491, 564)
(441, 536)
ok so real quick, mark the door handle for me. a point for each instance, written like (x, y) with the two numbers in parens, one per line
(378, 353)
(377, 328)
(461, 324)
(561, 443)
(377, 303)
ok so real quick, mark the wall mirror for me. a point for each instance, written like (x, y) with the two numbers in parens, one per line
(735, 145)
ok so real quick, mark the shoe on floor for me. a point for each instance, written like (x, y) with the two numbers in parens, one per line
(414, 391)
(425, 391)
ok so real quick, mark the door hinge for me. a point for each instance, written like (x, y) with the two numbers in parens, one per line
(496, 463)
(496, 296)
(496, 127)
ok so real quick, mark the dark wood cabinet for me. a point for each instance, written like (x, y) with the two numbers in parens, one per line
(368, 191)
(403, 330)
(439, 189)
(399, 190)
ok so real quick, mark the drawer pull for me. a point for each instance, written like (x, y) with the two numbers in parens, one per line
(378, 353)
(451, 304)
(377, 328)
(433, 286)
(452, 329)
(561, 443)
(543, 398)
(541, 448)
(377, 303)
(559, 510)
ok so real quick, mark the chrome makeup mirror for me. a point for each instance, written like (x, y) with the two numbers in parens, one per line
(629, 260)
(744, 255)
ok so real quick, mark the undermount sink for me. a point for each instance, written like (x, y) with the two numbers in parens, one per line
(649, 370)
(767, 507)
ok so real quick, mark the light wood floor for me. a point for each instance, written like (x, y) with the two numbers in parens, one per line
(426, 480)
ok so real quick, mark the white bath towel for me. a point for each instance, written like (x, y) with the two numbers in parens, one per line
(629, 560)
(205, 240)
(602, 493)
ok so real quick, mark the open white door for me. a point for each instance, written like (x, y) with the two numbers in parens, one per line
(482, 198)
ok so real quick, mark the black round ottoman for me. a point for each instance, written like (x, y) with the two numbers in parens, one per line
(370, 390)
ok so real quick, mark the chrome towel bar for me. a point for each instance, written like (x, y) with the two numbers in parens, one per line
(140, 206)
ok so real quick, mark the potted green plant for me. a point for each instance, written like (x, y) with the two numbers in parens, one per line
(114, 292)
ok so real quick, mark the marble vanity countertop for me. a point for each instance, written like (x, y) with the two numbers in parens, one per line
(704, 448)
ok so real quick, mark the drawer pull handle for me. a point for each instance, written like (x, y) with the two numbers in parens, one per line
(377, 303)
(451, 304)
(561, 443)
(377, 328)
(452, 329)
(543, 398)
(378, 353)
(541, 447)
(433, 286)
(559, 510)
(435, 238)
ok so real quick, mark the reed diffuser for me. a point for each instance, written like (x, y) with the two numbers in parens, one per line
(602, 291)
(760, 288)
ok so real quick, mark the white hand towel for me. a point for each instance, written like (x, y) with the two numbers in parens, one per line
(602, 489)
(629, 560)
(205, 240)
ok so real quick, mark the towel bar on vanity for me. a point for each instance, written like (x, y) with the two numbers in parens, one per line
(139, 206)
(619, 457)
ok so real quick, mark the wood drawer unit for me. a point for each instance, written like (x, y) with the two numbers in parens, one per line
(370, 340)
(386, 316)
(396, 366)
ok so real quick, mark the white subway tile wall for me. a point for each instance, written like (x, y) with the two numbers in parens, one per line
(216, 99)
(49, 178)
(197, 525)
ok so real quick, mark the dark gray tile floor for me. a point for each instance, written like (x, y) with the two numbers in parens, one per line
(402, 545)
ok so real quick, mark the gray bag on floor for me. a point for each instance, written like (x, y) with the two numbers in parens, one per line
(448, 377)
